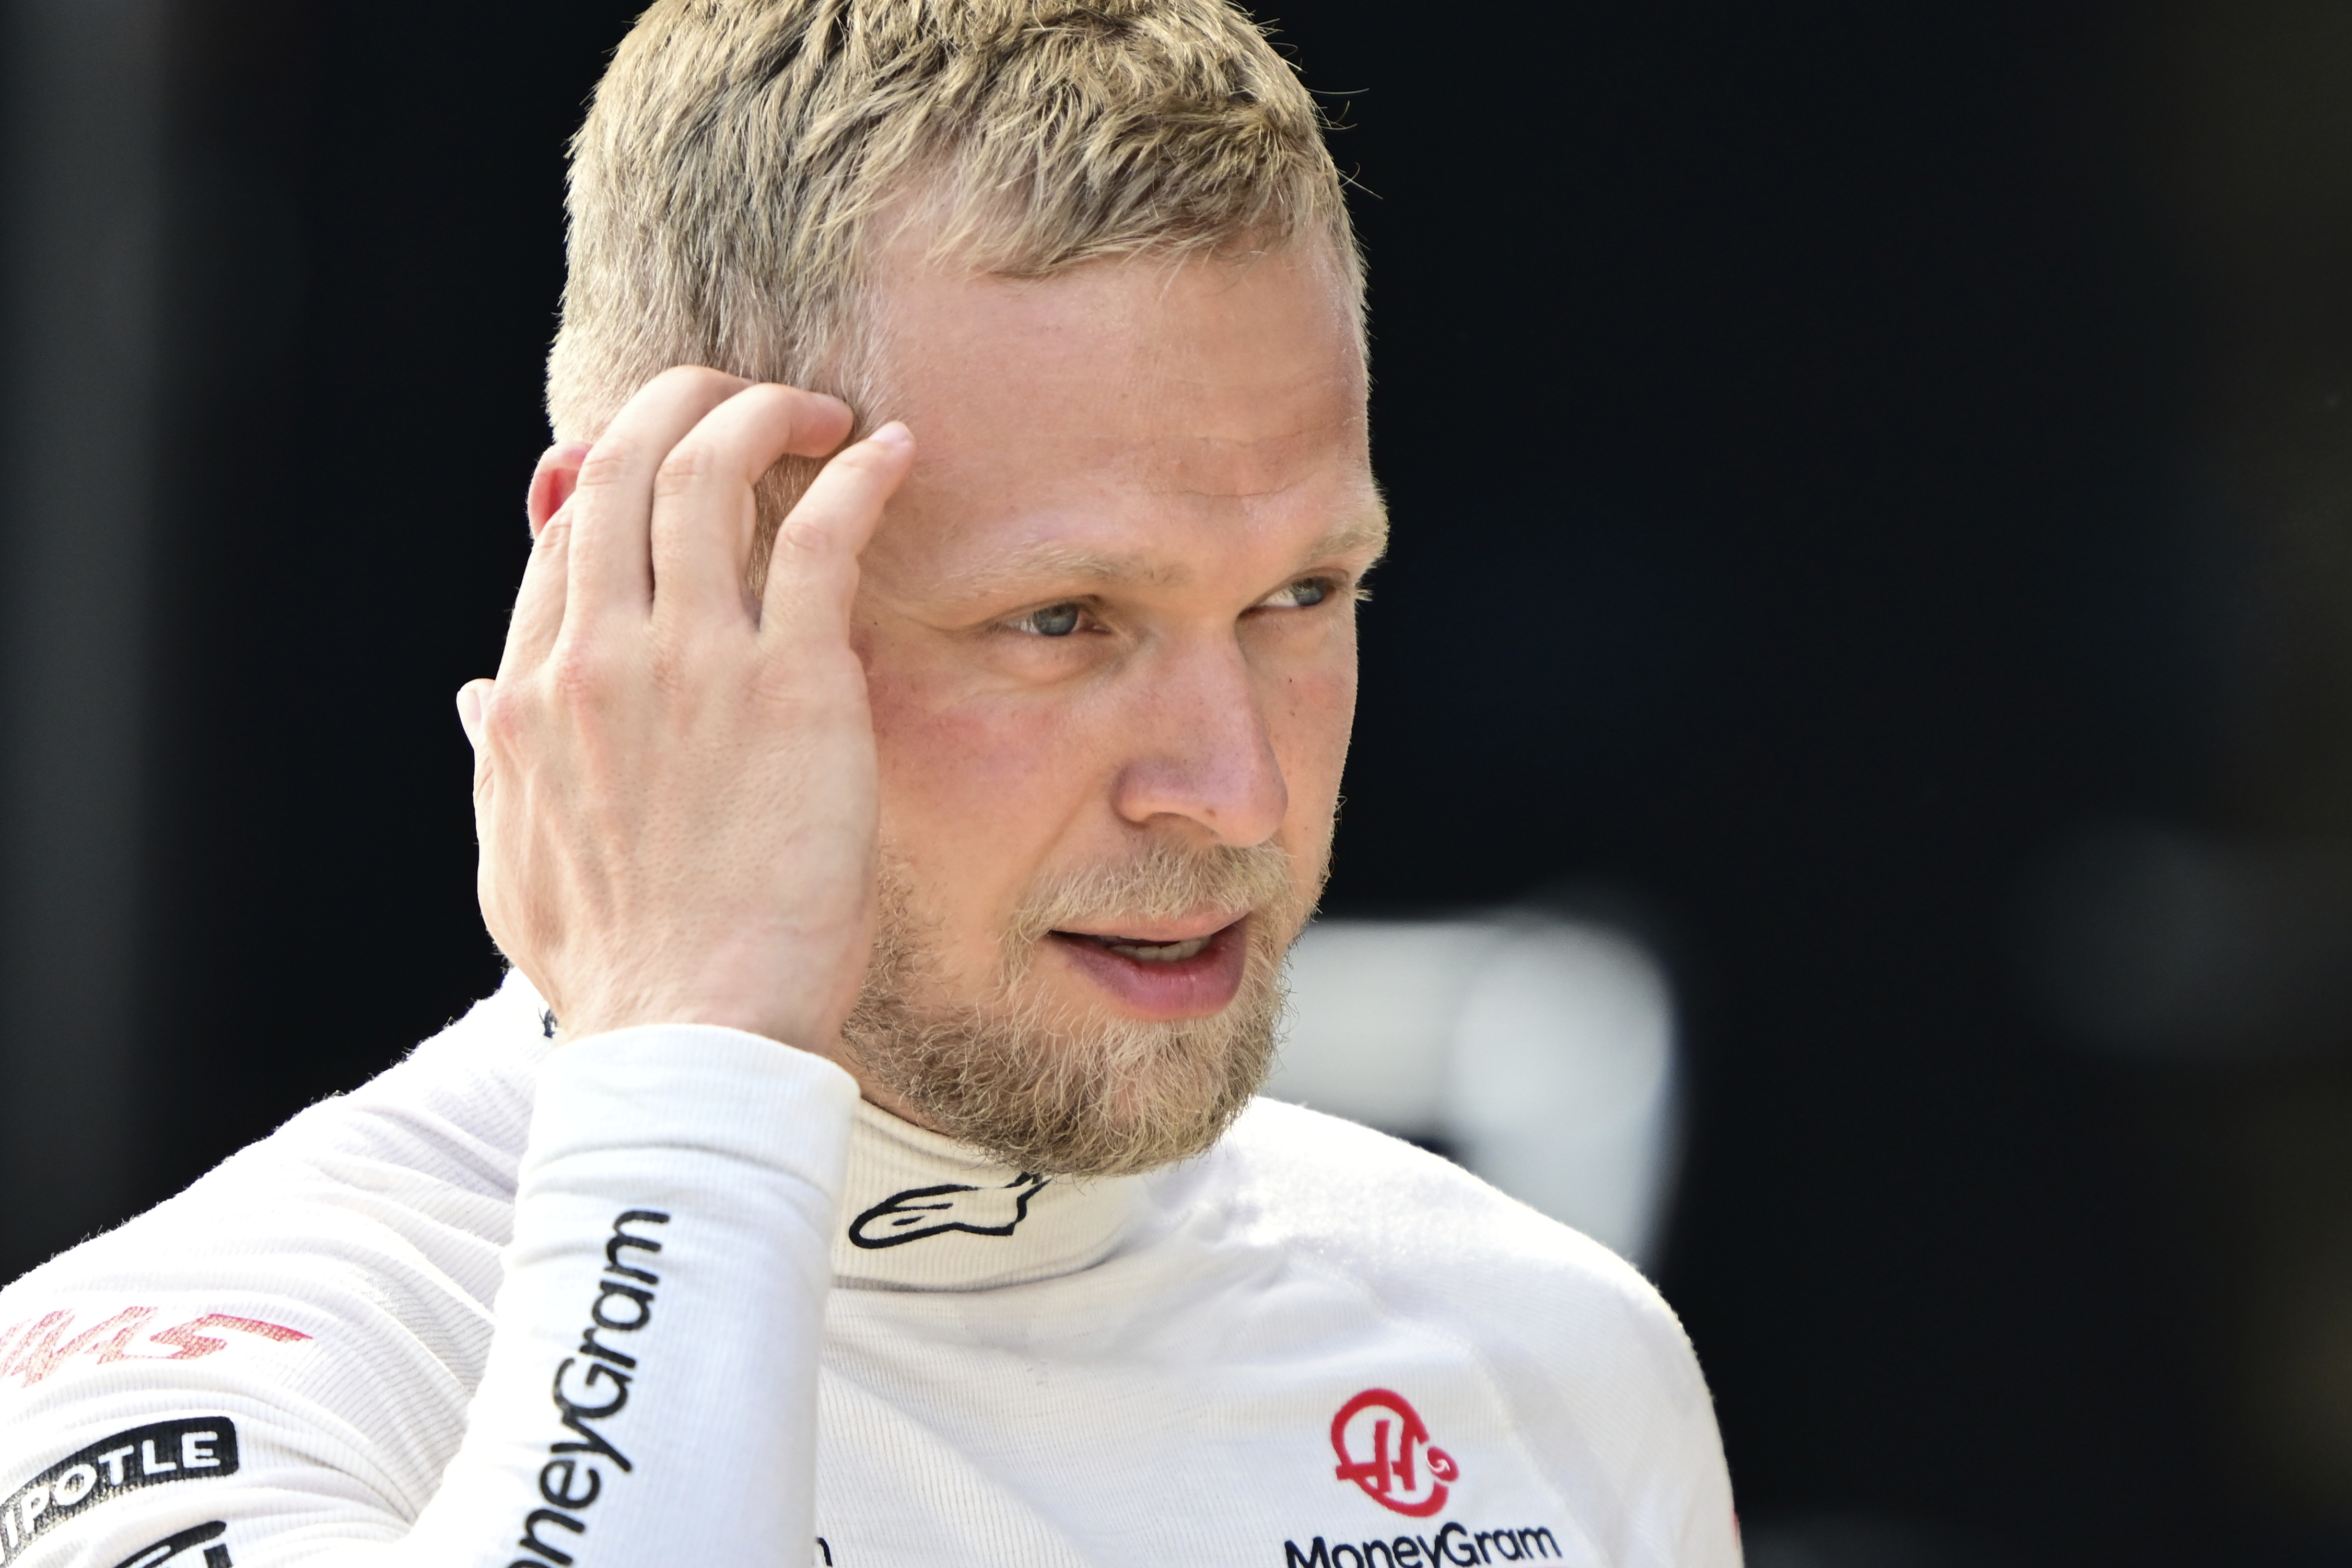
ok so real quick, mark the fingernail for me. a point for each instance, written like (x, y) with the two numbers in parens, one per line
(894, 434)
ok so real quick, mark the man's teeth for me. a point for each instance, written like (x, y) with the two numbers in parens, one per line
(1166, 953)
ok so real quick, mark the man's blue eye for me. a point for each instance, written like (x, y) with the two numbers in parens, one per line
(1055, 620)
(1304, 595)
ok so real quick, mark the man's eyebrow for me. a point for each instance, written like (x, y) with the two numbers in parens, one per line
(1367, 531)
(1058, 562)
(1067, 563)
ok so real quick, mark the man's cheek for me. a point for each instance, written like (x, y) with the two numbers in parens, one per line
(976, 795)
(1311, 718)
(989, 758)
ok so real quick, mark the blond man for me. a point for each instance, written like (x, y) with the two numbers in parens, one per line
(896, 840)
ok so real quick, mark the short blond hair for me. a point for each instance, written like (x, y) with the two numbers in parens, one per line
(725, 187)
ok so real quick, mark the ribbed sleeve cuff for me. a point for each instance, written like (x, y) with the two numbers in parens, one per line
(694, 1086)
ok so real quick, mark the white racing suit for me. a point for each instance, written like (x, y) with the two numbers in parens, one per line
(675, 1298)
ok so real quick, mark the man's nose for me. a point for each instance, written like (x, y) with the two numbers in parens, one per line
(1201, 750)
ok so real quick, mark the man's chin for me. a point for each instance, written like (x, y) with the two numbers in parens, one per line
(1074, 1091)
(1088, 1062)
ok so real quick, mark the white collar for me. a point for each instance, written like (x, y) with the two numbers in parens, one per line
(922, 1212)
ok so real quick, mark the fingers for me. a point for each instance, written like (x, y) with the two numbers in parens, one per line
(539, 602)
(611, 510)
(812, 575)
(660, 507)
(703, 497)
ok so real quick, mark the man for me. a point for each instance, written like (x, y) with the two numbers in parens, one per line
(896, 855)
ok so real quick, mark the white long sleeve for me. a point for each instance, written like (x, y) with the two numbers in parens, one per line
(426, 1323)
(672, 1176)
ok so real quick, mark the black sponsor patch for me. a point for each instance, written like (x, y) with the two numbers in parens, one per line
(157, 1554)
(194, 1448)
(911, 1215)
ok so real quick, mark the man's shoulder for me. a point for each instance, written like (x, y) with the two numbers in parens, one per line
(1427, 1236)
(374, 1216)
(1343, 1182)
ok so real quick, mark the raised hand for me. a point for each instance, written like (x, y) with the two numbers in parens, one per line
(673, 780)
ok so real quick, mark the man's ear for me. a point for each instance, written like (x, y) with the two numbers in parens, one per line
(552, 482)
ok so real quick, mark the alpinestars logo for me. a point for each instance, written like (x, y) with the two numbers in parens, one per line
(1383, 1446)
(911, 1215)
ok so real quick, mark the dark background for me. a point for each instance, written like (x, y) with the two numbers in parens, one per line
(1873, 494)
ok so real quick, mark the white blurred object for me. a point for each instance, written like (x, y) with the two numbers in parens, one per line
(1537, 1050)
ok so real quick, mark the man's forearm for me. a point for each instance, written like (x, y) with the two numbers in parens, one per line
(652, 1384)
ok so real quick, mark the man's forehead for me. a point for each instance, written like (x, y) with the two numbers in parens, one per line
(1128, 337)
(1225, 453)
(1125, 422)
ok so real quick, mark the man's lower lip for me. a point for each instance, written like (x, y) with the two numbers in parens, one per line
(1181, 988)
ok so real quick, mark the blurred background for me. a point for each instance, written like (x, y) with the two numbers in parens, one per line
(1874, 488)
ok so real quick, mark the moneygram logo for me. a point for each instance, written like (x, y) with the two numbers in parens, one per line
(1383, 1446)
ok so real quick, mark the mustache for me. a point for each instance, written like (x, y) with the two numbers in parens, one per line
(1161, 881)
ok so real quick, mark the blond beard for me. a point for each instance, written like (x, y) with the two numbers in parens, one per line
(1044, 1091)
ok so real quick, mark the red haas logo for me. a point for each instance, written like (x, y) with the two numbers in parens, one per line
(1383, 1447)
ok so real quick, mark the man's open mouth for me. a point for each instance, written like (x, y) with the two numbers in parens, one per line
(1164, 970)
(1143, 950)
